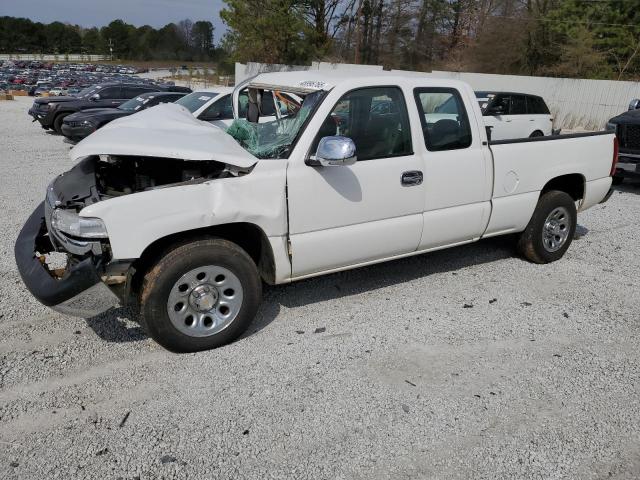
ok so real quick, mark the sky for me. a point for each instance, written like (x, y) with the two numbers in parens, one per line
(90, 13)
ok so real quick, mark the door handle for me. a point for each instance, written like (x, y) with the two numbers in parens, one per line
(412, 177)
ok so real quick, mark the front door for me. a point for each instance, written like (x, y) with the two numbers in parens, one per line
(343, 216)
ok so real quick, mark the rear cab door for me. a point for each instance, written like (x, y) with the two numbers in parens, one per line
(458, 166)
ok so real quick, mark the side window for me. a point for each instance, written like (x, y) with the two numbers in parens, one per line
(110, 93)
(536, 106)
(518, 105)
(220, 110)
(500, 102)
(445, 124)
(375, 119)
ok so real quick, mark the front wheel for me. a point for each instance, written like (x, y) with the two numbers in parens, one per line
(551, 228)
(200, 295)
(57, 123)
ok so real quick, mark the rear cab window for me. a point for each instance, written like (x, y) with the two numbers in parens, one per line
(445, 123)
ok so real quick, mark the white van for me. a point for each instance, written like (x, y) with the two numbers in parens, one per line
(515, 115)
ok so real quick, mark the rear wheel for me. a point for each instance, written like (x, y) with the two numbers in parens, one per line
(57, 123)
(551, 228)
(200, 295)
(537, 133)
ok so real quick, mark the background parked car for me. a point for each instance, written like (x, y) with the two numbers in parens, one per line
(627, 128)
(515, 115)
(210, 105)
(51, 112)
(57, 92)
(79, 125)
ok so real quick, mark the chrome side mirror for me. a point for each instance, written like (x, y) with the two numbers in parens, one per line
(334, 152)
(634, 104)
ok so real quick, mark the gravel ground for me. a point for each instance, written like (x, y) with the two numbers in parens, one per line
(466, 363)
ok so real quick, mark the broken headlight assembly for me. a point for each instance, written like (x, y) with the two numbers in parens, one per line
(72, 224)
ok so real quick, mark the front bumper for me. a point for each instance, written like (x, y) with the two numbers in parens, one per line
(77, 132)
(42, 115)
(77, 290)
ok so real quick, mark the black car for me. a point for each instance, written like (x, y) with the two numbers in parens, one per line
(79, 125)
(51, 111)
(627, 128)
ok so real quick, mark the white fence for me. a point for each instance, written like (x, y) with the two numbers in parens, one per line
(71, 57)
(575, 104)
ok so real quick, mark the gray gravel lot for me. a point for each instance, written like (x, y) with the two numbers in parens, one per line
(537, 377)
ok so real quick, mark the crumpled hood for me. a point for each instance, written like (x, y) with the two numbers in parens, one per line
(167, 131)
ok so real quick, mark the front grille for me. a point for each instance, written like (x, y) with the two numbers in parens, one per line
(72, 123)
(630, 137)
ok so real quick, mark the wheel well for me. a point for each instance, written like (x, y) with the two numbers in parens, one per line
(247, 236)
(572, 184)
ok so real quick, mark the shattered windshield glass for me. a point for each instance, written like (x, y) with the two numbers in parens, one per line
(273, 139)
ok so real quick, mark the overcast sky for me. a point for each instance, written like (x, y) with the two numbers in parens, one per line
(90, 13)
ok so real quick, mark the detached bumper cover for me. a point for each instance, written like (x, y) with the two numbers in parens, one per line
(79, 292)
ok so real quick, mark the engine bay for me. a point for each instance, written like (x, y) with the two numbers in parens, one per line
(99, 178)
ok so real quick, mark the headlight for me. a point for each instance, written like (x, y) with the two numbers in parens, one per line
(87, 123)
(51, 106)
(76, 226)
(611, 126)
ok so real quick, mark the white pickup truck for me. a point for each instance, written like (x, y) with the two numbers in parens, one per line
(185, 220)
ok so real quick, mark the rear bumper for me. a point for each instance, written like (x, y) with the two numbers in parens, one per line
(76, 291)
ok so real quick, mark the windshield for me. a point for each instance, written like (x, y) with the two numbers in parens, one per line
(87, 92)
(274, 139)
(195, 100)
(134, 104)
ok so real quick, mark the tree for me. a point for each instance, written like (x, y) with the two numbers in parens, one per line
(116, 34)
(580, 58)
(269, 31)
(202, 37)
(613, 31)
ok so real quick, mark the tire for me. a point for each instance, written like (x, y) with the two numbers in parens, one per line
(57, 123)
(537, 133)
(199, 266)
(551, 228)
(617, 180)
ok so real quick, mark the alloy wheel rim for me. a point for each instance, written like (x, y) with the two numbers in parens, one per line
(556, 229)
(205, 301)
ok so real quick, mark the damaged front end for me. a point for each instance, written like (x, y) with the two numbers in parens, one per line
(91, 281)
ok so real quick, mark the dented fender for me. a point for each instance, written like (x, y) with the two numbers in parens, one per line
(135, 221)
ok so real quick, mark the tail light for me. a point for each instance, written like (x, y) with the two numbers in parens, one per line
(614, 161)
